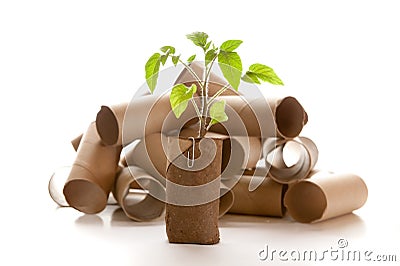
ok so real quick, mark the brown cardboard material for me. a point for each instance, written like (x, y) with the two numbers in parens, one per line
(247, 153)
(92, 174)
(124, 123)
(109, 121)
(266, 200)
(149, 155)
(196, 222)
(324, 196)
(281, 117)
(152, 114)
(147, 208)
(76, 141)
(56, 183)
(215, 82)
(226, 200)
(278, 170)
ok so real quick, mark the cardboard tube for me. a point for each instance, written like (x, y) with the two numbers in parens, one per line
(149, 155)
(226, 200)
(148, 207)
(325, 196)
(109, 122)
(75, 142)
(145, 115)
(250, 150)
(266, 200)
(247, 150)
(281, 117)
(215, 82)
(56, 183)
(92, 174)
(278, 170)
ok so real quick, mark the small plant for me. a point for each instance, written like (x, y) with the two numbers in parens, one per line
(231, 66)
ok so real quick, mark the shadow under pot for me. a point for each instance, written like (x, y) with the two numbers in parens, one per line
(193, 189)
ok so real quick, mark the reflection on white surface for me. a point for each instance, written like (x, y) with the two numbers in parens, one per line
(111, 237)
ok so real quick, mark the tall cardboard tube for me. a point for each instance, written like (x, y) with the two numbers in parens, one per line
(145, 209)
(92, 174)
(266, 200)
(109, 122)
(324, 196)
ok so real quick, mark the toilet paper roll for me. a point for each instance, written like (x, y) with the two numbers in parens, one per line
(266, 200)
(92, 174)
(263, 117)
(304, 148)
(141, 205)
(324, 196)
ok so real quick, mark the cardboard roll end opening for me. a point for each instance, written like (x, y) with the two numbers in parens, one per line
(85, 196)
(107, 126)
(290, 117)
(306, 201)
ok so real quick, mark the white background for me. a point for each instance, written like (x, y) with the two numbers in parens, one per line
(61, 60)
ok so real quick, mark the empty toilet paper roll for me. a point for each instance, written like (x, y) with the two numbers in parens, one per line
(226, 200)
(92, 174)
(149, 155)
(248, 148)
(215, 82)
(303, 148)
(324, 196)
(56, 185)
(263, 117)
(139, 204)
(266, 200)
(145, 115)
(238, 152)
(109, 121)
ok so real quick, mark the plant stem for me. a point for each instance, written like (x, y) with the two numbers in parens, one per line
(193, 73)
(196, 108)
(218, 93)
(200, 114)
(210, 67)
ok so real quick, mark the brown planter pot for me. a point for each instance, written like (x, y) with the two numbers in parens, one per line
(192, 194)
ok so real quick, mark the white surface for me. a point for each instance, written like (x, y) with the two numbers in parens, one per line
(61, 60)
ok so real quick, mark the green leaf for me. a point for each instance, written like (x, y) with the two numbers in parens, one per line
(198, 38)
(190, 59)
(251, 77)
(231, 66)
(163, 59)
(207, 45)
(167, 48)
(179, 98)
(217, 112)
(210, 56)
(151, 68)
(265, 73)
(175, 59)
(230, 45)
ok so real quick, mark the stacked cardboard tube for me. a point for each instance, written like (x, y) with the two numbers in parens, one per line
(258, 130)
